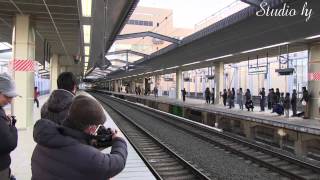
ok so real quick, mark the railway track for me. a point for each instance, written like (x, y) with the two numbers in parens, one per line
(285, 165)
(163, 163)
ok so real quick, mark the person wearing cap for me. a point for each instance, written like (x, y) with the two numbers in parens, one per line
(8, 131)
(67, 152)
(58, 104)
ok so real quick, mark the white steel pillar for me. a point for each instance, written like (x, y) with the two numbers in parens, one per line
(219, 81)
(178, 84)
(23, 43)
(314, 82)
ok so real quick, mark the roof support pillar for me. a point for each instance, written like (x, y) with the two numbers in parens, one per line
(218, 81)
(54, 71)
(313, 105)
(23, 42)
(178, 84)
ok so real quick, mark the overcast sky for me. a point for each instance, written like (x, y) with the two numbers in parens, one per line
(187, 13)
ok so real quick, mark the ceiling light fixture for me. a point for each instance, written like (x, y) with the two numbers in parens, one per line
(87, 50)
(86, 8)
(86, 33)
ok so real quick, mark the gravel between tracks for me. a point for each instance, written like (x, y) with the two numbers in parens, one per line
(219, 163)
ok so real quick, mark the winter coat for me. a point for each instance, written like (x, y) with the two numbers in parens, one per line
(294, 99)
(66, 156)
(8, 142)
(248, 96)
(207, 93)
(286, 102)
(57, 106)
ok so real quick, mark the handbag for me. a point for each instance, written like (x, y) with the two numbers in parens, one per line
(304, 102)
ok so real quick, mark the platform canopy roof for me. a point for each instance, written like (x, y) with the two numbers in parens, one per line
(59, 23)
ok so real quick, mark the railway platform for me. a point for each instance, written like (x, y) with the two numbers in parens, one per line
(296, 135)
(21, 157)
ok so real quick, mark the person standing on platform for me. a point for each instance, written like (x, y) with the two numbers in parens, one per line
(240, 98)
(155, 91)
(274, 99)
(269, 100)
(58, 104)
(224, 97)
(8, 131)
(277, 96)
(249, 103)
(73, 150)
(286, 105)
(139, 90)
(233, 96)
(36, 95)
(183, 93)
(304, 100)
(212, 96)
(262, 94)
(207, 95)
(229, 97)
(294, 103)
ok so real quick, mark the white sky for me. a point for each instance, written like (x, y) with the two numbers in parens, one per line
(187, 13)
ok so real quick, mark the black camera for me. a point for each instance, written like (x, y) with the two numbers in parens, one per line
(102, 137)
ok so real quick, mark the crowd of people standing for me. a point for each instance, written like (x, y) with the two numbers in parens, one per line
(276, 101)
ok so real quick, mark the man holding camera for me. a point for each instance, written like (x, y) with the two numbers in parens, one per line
(8, 131)
(71, 151)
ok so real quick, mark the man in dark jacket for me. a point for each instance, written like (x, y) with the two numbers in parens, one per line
(58, 104)
(304, 100)
(294, 103)
(8, 131)
(67, 152)
(262, 94)
(207, 95)
(212, 96)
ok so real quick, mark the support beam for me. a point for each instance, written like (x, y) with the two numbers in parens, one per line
(118, 60)
(5, 50)
(148, 33)
(127, 52)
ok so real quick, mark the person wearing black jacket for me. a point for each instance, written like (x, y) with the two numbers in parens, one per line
(183, 93)
(269, 100)
(224, 97)
(304, 100)
(207, 95)
(262, 94)
(277, 98)
(8, 131)
(212, 96)
(294, 102)
(69, 151)
(57, 106)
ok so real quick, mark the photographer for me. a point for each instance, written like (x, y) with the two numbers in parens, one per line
(68, 152)
(8, 131)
